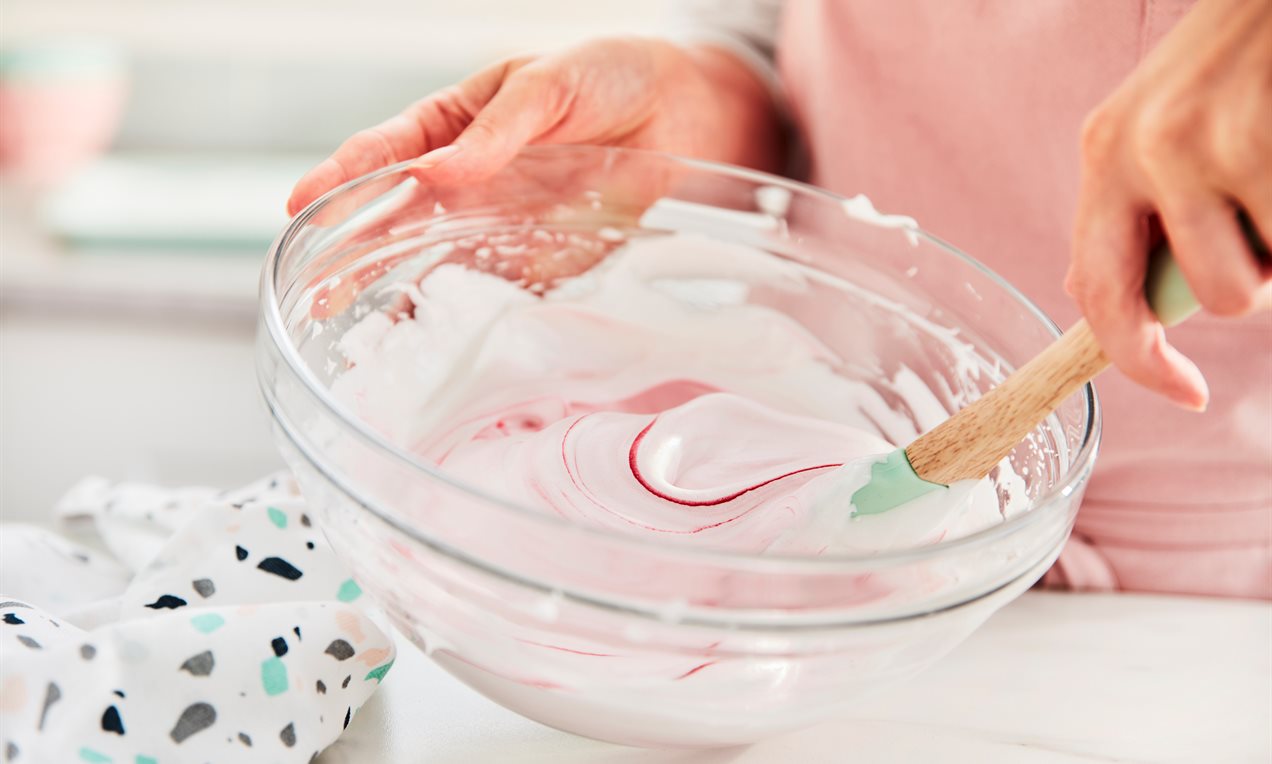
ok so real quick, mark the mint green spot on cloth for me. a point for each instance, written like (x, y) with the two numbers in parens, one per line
(349, 591)
(146, 760)
(378, 672)
(274, 676)
(277, 517)
(88, 754)
(207, 622)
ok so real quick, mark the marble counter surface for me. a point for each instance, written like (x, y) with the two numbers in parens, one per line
(1051, 678)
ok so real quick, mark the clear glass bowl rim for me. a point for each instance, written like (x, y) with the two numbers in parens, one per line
(272, 320)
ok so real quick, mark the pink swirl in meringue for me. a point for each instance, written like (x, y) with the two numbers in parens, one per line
(627, 400)
(709, 462)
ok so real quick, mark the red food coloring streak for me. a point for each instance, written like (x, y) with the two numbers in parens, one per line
(505, 427)
(635, 467)
(542, 684)
(565, 456)
(547, 500)
(536, 423)
(664, 396)
(568, 650)
(402, 549)
(565, 462)
(695, 670)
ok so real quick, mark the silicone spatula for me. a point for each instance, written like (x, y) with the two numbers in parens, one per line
(976, 438)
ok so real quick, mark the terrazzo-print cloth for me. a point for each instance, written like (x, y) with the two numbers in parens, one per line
(216, 627)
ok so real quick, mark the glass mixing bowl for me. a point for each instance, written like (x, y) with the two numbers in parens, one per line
(624, 638)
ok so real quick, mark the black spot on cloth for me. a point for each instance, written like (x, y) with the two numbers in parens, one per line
(195, 718)
(288, 735)
(304, 520)
(339, 649)
(322, 688)
(348, 716)
(245, 740)
(80, 556)
(52, 694)
(13, 620)
(309, 545)
(31, 643)
(167, 602)
(345, 683)
(10, 752)
(111, 721)
(297, 630)
(240, 553)
(87, 652)
(199, 665)
(280, 646)
(120, 693)
(204, 587)
(280, 567)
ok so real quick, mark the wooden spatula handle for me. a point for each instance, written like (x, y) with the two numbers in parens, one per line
(968, 445)
(998, 421)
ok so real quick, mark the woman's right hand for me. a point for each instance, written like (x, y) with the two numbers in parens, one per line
(644, 93)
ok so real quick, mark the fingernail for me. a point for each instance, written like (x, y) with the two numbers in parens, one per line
(1194, 404)
(436, 157)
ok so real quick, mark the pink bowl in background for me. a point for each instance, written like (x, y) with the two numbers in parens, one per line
(60, 106)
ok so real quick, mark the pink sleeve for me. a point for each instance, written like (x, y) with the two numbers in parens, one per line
(1222, 571)
(1081, 567)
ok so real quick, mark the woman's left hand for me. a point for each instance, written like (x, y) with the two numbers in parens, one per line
(1187, 138)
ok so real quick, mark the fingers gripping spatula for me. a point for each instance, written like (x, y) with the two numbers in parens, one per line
(976, 438)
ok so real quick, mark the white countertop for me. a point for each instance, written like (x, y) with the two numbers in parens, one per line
(1051, 678)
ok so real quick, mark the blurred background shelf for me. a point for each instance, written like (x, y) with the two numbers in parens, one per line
(170, 236)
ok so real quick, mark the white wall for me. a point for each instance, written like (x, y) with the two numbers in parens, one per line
(170, 402)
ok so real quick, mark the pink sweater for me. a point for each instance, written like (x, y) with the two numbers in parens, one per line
(966, 115)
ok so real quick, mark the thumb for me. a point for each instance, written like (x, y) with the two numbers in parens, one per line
(527, 105)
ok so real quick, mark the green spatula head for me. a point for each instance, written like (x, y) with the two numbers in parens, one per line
(1167, 292)
(893, 480)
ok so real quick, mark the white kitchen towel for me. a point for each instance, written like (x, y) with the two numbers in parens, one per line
(239, 637)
